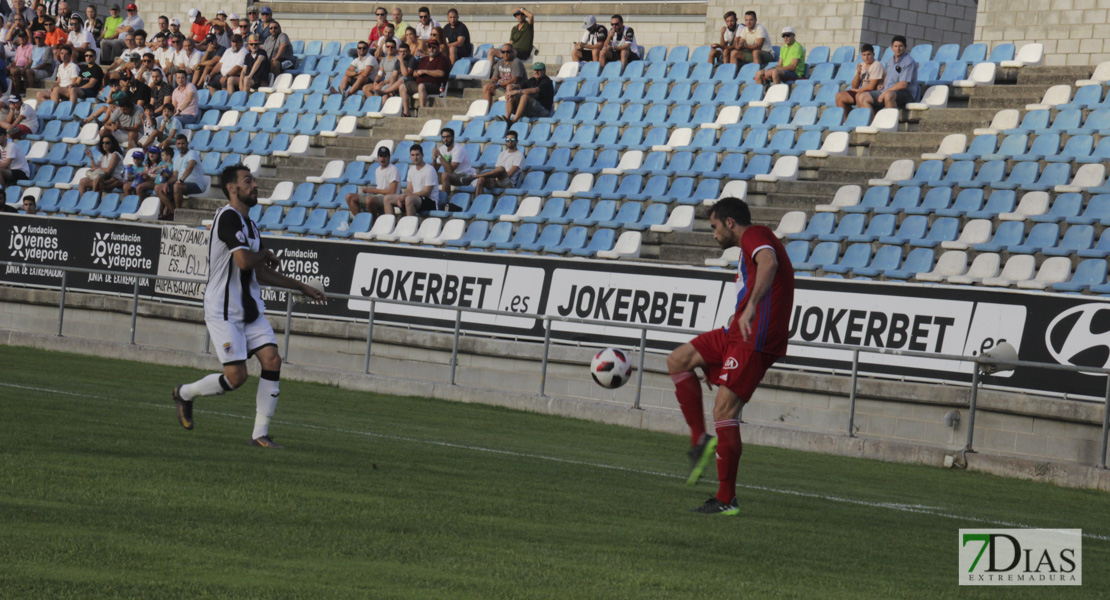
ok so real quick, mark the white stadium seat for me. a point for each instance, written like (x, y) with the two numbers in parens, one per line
(847, 195)
(627, 246)
(983, 267)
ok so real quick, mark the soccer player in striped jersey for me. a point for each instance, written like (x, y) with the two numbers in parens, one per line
(734, 357)
(233, 308)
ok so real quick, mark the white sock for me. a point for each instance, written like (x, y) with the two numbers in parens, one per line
(208, 386)
(265, 402)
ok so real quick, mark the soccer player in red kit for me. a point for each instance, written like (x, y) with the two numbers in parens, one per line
(734, 357)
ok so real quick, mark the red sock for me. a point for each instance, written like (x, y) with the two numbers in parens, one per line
(687, 388)
(729, 447)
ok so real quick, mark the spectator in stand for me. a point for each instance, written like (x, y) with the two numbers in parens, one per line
(187, 59)
(900, 85)
(593, 40)
(387, 36)
(163, 28)
(388, 72)
(421, 190)
(175, 28)
(211, 56)
(454, 160)
(521, 37)
(869, 76)
(21, 119)
(166, 126)
(13, 162)
(792, 62)
(62, 11)
(267, 17)
(218, 28)
(125, 124)
(91, 80)
(753, 44)
(426, 24)
(406, 64)
(29, 206)
(430, 76)
(142, 183)
(185, 100)
(130, 47)
(67, 78)
(457, 37)
(38, 23)
(254, 23)
(93, 24)
(20, 67)
(114, 46)
(132, 174)
(104, 170)
(534, 99)
(621, 43)
(187, 178)
(113, 21)
(359, 72)
(161, 91)
(229, 65)
(506, 172)
(233, 22)
(139, 93)
(378, 30)
(279, 48)
(399, 24)
(387, 182)
(723, 50)
(164, 52)
(26, 11)
(507, 71)
(42, 63)
(147, 66)
(116, 94)
(256, 68)
(412, 42)
(199, 28)
(80, 39)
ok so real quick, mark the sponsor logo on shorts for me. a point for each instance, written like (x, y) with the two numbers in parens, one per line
(731, 363)
(227, 348)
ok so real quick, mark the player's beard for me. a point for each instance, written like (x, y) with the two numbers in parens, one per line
(727, 242)
(251, 198)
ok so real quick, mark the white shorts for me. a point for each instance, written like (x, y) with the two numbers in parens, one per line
(236, 341)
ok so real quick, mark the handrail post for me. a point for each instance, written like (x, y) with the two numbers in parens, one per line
(62, 305)
(134, 311)
(546, 353)
(369, 337)
(1105, 424)
(207, 340)
(455, 344)
(288, 323)
(640, 370)
(852, 395)
(971, 409)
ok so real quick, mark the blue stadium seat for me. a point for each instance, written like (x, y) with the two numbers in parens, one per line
(129, 204)
(604, 210)
(1101, 249)
(831, 116)
(886, 258)
(1090, 273)
(602, 240)
(1097, 211)
(974, 53)
(879, 226)
(628, 214)
(1001, 52)
(1043, 146)
(499, 233)
(506, 205)
(318, 218)
(912, 228)
(525, 234)
(359, 224)
(844, 54)
(574, 239)
(906, 198)
(823, 254)
(476, 232)
(919, 260)
(935, 199)
(944, 229)
(1076, 148)
(550, 236)
(630, 186)
(855, 257)
(48, 202)
(991, 172)
(850, 224)
(679, 53)
(271, 219)
(1006, 235)
(820, 224)
(1076, 238)
(858, 117)
(873, 198)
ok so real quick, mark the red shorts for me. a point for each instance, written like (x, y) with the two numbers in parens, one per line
(739, 368)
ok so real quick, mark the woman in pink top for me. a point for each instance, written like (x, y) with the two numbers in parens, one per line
(185, 101)
(21, 64)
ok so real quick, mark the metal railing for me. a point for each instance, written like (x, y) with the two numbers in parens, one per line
(980, 362)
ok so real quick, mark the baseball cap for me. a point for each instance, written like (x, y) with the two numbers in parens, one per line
(40, 34)
(134, 57)
(175, 21)
(266, 10)
(154, 150)
(221, 12)
(193, 14)
(14, 98)
(115, 7)
(132, 6)
(590, 22)
(138, 154)
(788, 29)
(539, 66)
(234, 16)
(210, 38)
(252, 9)
(383, 151)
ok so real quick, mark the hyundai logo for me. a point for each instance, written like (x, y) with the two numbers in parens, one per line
(1080, 336)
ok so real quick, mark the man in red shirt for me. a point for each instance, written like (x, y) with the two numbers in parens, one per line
(737, 356)
(378, 30)
(200, 27)
(430, 75)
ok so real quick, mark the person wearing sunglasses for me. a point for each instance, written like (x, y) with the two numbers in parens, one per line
(388, 73)
(113, 45)
(81, 39)
(105, 167)
(255, 24)
(388, 36)
(279, 48)
(378, 30)
(620, 45)
(900, 86)
(229, 66)
(792, 62)
(506, 172)
(359, 72)
(256, 68)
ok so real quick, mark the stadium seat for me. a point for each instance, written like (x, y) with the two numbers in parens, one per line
(1090, 273)
(951, 263)
(1030, 55)
(985, 265)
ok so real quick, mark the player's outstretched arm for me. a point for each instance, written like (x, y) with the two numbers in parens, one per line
(765, 267)
(247, 259)
(268, 276)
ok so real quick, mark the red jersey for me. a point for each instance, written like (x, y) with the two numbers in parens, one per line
(376, 32)
(771, 322)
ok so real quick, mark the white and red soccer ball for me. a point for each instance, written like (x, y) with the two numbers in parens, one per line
(611, 368)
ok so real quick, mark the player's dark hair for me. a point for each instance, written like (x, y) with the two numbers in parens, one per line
(867, 48)
(417, 148)
(752, 13)
(899, 38)
(618, 17)
(732, 208)
(182, 136)
(230, 176)
(451, 10)
(731, 13)
(423, 9)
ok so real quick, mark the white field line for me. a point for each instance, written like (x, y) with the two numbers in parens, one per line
(910, 508)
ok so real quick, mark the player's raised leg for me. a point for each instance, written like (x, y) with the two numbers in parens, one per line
(681, 364)
(231, 343)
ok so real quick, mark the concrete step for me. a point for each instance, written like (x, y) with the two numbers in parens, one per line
(846, 163)
(1001, 102)
(1053, 75)
(689, 255)
(1003, 91)
(959, 115)
(820, 192)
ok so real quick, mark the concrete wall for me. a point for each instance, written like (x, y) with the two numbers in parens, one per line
(851, 22)
(1074, 32)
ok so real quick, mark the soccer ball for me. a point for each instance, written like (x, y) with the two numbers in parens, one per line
(611, 368)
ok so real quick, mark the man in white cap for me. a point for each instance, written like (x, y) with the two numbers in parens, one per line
(593, 40)
(200, 26)
(114, 47)
(792, 62)
(20, 120)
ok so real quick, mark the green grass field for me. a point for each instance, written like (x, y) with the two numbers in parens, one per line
(103, 495)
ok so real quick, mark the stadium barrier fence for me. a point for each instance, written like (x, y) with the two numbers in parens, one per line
(982, 362)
